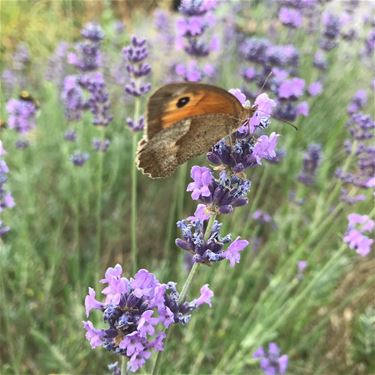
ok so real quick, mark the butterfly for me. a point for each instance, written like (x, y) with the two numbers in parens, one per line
(185, 120)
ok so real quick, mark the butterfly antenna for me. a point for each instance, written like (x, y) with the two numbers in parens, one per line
(285, 121)
(266, 80)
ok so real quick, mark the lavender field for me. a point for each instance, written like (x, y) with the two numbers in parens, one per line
(255, 256)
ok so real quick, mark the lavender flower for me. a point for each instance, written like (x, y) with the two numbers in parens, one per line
(355, 237)
(135, 55)
(21, 115)
(100, 145)
(290, 17)
(311, 161)
(136, 312)
(197, 18)
(6, 198)
(358, 101)
(208, 250)
(331, 32)
(98, 102)
(72, 98)
(87, 56)
(79, 158)
(22, 144)
(70, 135)
(271, 361)
(361, 128)
(315, 88)
(262, 217)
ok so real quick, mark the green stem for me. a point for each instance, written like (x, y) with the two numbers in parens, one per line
(124, 365)
(99, 204)
(185, 289)
(134, 174)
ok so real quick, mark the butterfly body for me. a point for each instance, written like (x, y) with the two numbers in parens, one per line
(185, 120)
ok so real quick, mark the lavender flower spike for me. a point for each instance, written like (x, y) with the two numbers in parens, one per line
(135, 313)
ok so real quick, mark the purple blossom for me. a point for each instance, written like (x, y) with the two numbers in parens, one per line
(303, 109)
(21, 115)
(315, 88)
(200, 214)
(202, 177)
(272, 362)
(135, 313)
(262, 217)
(290, 17)
(205, 297)
(208, 250)
(136, 125)
(265, 147)
(98, 102)
(358, 101)
(301, 265)
(70, 135)
(79, 158)
(233, 251)
(92, 31)
(355, 237)
(93, 335)
(189, 72)
(72, 98)
(192, 37)
(311, 161)
(291, 88)
(138, 69)
(91, 303)
(100, 145)
(87, 57)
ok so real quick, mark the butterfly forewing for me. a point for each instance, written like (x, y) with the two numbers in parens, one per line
(184, 120)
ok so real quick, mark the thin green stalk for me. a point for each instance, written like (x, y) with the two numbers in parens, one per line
(124, 365)
(185, 289)
(134, 174)
(99, 205)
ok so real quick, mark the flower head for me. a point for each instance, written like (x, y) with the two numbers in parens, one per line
(135, 312)
(271, 361)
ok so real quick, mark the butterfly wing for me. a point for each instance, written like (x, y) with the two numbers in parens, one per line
(177, 101)
(184, 120)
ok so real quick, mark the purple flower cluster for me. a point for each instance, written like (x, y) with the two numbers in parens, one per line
(262, 217)
(355, 235)
(271, 361)
(191, 27)
(72, 98)
(245, 150)
(208, 248)
(87, 56)
(138, 69)
(136, 313)
(6, 198)
(100, 145)
(79, 158)
(220, 195)
(21, 115)
(361, 129)
(311, 162)
(331, 31)
(275, 69)
(290, 17)
(98, 103)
